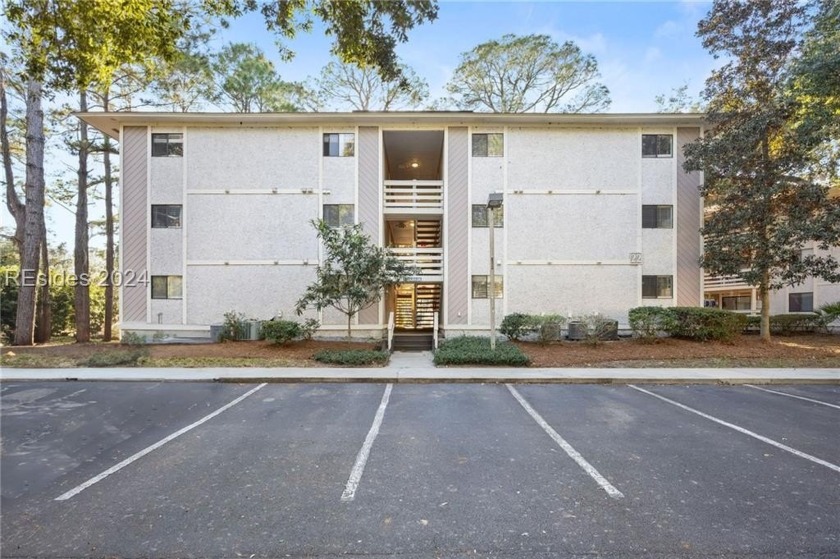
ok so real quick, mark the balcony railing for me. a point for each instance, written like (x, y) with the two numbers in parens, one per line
(419, 197)
(720, 282)
(428, 262)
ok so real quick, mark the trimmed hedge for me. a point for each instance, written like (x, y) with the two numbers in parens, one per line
(351, 357)
(787, 324)
(702, 324)
(648, 323)
(474, 350)
(547, 327)
(693, 323)
(282, 331)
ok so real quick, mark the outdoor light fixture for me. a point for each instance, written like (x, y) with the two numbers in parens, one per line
(494, 200)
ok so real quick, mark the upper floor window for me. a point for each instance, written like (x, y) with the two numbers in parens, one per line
(167, 145)
(339, 145)
(657, 145)
(657, 217)
(801, 302)
(479, 216)
(479, 287)
(167, 287)
(488, 145)
(166, 216)
(657, 287)
(336, 215)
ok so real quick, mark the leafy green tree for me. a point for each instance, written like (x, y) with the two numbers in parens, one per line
(52, 40)
(765, 187)
(354, 273)
(678, 101)
(347, 86)
(530, 73)
(247, 82)
(366, 32)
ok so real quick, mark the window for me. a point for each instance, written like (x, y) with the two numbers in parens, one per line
(479, 216)
(164, 217)
(657, 217)
(337, 215)
(657, 287)
(488, 145)
(738, 303)
(479, 287)
(166, 287)
(167, 145)
(657, 145)
(801, 302)
(339, 145)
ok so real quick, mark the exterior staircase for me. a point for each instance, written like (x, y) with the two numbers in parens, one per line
(413, 341)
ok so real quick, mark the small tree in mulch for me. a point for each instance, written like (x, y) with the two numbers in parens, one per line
(354, 273)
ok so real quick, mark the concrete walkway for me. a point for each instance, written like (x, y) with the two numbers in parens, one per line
(418, 368)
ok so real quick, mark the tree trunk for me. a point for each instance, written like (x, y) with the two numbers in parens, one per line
(764, 291)
(43, 321)
(13, 202)
(81, 291)
(349, 319)
(34, 215)
(109, 238)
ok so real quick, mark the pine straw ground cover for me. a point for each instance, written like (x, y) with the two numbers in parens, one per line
(228, 354)
(746, 351)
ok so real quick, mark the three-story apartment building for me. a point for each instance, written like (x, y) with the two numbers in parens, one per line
(598, 213)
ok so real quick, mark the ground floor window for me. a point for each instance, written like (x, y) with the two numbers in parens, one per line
(801, 302)
(657, 287)
(166, 216)
(737, 303)
(167, 287)
(479, 287)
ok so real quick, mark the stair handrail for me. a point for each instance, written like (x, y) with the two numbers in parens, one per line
(435, 330)
(390, 330)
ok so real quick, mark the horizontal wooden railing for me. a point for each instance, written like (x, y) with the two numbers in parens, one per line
(712, 282)
(413, 196)
(427, 262)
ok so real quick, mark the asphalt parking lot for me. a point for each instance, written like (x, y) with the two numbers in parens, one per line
(422, 470)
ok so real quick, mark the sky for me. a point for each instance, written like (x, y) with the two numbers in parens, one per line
(643, 49)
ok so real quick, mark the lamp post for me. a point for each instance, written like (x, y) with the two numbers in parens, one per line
(494, 201)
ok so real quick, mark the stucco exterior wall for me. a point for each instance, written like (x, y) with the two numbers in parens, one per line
(609, 290)
(253, 158)
(339, 173)
(252, 227)
(573, 158)
(257, 291)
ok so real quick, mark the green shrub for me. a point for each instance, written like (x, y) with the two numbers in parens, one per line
(699, 323)
(351, 357)
(132, 339)
(118, 358)
(515, 326)
(649, 323)
(280, 331)
(309, 327)
(549, 327)
(596, 328)
(233, 327)
(830, 312)
(791, 323)
(473, 350)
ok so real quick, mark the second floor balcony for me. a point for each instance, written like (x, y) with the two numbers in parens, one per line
(428, 262)
(712, 282)
(413, 197)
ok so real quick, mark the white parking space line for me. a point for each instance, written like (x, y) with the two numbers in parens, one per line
(761, 438)
(573, 454)
(794, 396)
(361, 459)
(113, 469)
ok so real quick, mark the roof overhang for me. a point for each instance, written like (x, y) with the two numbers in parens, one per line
(110, 122)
